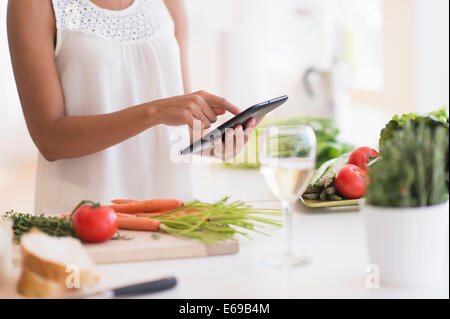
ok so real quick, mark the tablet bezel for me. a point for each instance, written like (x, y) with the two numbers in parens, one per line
(256, 111)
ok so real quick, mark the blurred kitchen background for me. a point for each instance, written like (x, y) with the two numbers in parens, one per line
(356, 61)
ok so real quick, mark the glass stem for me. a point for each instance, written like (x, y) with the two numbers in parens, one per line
(286, 207)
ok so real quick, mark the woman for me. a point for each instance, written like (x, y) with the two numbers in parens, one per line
(102, 83)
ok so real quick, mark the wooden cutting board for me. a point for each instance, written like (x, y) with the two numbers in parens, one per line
(142, 246)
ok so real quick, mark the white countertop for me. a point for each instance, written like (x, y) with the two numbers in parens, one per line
(335, 242)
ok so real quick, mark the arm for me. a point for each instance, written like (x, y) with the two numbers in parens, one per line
(177, 9)
(31, 33)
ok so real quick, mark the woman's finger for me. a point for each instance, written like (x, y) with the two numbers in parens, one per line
(217, 150)
(250, 123)
(229, 144)
(205, 121)
(219, 111)
(219, 102)
(207, 110)
(198, 114)
(249, 130)
(239, 138)
(190, 121)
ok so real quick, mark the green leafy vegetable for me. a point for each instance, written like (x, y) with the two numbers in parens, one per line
(411, 170)
(23, 223)
(434, 119)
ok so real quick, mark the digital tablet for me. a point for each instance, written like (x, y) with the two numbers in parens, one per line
(257, 111)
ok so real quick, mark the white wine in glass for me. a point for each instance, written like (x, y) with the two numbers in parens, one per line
(287, 155)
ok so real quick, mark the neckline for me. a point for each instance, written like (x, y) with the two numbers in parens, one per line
(111, 11)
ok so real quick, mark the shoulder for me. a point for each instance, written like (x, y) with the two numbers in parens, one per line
(30, 15)
(31, 26)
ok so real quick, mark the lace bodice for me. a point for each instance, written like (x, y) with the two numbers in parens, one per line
(139, 21)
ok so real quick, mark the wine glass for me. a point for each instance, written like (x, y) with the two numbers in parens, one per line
(287, 155)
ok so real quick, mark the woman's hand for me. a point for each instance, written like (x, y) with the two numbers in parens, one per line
(185, 109)
(235, 140)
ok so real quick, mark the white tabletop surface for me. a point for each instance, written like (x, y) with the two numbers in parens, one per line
(334, 240)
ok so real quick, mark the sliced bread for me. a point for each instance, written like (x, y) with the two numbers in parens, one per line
(46, 258)
(32, 285)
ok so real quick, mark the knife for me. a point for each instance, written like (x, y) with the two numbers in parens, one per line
(137, 289)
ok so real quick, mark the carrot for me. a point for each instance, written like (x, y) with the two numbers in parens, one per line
(124, 215)
(138, 223)
(163, 211)
(153, 214)
(150, 213)
(147, 205)
(122, 201)
(160, 211)
(63, 215)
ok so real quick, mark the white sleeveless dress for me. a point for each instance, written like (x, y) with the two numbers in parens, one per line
(109, 60)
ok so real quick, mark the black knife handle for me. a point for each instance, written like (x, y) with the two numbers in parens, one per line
(146, 287)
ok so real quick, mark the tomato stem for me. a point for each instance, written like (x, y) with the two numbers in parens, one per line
(83, 202)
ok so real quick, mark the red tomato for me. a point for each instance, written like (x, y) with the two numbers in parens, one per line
(359, 156)
(95, 223)
(351, 181)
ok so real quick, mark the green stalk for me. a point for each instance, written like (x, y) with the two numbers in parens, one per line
(217, 221)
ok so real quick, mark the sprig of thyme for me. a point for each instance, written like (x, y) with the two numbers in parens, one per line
(54, 226)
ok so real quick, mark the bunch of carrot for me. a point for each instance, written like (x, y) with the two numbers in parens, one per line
(136, 215)
(202, 221)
